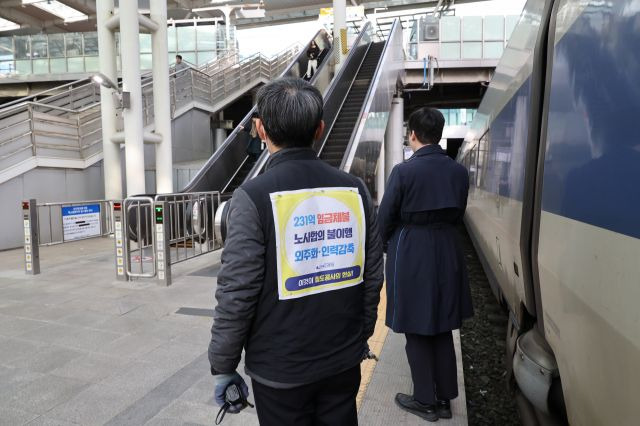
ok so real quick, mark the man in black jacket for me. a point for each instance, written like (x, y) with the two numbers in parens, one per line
(301, 273)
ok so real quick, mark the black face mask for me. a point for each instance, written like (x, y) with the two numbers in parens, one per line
(235, 402)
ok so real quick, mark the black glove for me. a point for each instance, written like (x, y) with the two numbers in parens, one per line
(368, 354)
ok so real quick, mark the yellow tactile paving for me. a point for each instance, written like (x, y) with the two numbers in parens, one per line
(375, 344)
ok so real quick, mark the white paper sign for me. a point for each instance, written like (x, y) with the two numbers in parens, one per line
(80, 222)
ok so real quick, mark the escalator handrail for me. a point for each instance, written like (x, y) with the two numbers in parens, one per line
(246, 121)
(366, 104)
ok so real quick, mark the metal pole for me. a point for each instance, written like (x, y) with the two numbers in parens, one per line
(118, 231)
(133, 128)
(161, 98)
(162, 229)
(31, 237)
(340, 31)
(107, 56)
(393, 148)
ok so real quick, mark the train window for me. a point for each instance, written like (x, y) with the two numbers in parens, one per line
(483, 158)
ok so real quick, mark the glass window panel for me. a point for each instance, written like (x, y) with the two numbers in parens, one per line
(472, 50)
(39, 46)
(41, 66)
(450, 50)
(6, 67)
(204, 57)
(493, 49)
(146, 61)
(6, 47)
(58, 66)
(511, 23)
(75, 64)
(91, 44)
(91, 63)
(450, 28)
(56, 45)
(145, 43)
(206, 37)
(171, 38)
(472, 28)
(22, 48)
(74, 44)
(186, 38)
(23, 67)
(494, 28)
(189, 57)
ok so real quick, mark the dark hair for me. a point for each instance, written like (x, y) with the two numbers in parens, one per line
(291, 111)
(428, 124)
(179, 56)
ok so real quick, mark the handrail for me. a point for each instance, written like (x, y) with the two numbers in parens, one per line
(187, 86)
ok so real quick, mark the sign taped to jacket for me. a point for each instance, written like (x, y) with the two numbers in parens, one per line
(320, 240)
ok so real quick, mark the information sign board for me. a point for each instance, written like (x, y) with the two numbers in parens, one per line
(79, 222)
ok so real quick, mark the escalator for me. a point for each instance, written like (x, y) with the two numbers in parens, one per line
(231, 165)
(339, 136)
(350, 141)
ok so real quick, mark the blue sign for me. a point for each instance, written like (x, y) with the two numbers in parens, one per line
(79, 222)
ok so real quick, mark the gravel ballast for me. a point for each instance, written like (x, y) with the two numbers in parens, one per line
(489, 402)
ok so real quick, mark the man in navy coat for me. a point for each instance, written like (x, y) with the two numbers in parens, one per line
(428, 292)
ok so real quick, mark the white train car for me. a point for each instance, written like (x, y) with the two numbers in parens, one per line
(554, 208)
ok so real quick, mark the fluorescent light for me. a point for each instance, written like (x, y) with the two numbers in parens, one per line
(54, 7)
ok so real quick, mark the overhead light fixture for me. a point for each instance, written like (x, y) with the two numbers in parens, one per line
(122, 98)
(104, 81)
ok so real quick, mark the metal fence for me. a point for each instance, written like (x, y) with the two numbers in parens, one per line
(47, 224)
(54, 226)
(167, 229)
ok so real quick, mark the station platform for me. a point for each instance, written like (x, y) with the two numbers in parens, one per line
(78, 347)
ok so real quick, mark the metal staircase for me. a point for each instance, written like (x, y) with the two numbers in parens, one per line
(62, 126)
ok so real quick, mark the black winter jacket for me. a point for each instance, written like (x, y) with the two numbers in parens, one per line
(308, 337)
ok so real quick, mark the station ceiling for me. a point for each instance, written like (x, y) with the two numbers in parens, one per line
(51, 16)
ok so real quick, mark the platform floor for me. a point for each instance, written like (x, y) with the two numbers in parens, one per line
(79, 348)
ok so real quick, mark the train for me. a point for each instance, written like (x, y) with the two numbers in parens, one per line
(553, 156)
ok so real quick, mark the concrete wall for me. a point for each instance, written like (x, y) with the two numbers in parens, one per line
(45, 185)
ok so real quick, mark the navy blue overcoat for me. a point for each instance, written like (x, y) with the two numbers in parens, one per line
(427, 285)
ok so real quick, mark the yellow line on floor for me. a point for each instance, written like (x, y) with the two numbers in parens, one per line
(375, 344)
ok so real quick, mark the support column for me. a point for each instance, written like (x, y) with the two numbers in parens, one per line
(133, 128)
(108, 67)
(227, 26)
(161, 98)
(340, 31)
(393, 138)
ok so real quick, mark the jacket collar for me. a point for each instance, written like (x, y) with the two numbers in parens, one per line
(288, 154)
(428, 150)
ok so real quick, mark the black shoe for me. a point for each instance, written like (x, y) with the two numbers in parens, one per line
(426, 411)
(443, 407)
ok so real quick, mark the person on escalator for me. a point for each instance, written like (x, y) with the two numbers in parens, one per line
(254, 146)
(313, 52)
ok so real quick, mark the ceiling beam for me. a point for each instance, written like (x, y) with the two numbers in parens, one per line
(88, 7)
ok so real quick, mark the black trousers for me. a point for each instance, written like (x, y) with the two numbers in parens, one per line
(432, 360)
(330, 402)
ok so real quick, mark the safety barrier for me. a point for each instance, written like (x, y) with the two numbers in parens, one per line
(49, 224)
(161, 231)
